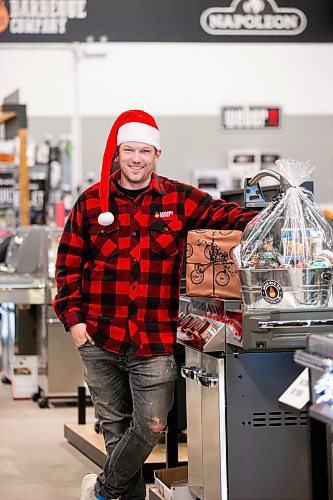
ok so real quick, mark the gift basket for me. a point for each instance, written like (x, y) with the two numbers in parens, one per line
(285, 258)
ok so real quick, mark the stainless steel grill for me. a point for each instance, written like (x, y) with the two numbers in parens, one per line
(236, 429)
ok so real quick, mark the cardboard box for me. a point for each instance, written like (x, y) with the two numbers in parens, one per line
(171, 484)
(154, 494)
(210, 267)
(23, 376)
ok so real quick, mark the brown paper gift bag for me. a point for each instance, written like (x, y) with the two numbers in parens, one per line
(210, 268)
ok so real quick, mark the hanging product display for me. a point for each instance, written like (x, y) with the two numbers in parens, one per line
(286, 255)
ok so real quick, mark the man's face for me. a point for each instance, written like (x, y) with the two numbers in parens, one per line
(137, 161)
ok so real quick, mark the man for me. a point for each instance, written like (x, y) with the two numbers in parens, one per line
(118, 273)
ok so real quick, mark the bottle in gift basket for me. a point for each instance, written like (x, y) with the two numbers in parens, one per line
(269, 258)
(324, 259)
(296, 245)
(316, 243)
(327, 254)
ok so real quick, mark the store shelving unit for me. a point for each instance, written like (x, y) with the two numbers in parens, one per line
(14, 119)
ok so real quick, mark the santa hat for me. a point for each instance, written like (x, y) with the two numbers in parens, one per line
(134, 125)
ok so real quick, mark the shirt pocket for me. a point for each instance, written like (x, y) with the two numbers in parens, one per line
(164, 237)
(104, 241)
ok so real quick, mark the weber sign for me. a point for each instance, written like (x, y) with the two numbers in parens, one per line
(253, 17)
(250, 117)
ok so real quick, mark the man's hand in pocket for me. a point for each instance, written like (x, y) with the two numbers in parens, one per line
(80, 335)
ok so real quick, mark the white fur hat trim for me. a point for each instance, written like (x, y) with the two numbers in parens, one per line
(139, 132)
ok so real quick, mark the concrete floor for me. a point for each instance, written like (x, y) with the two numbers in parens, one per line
(36, 461)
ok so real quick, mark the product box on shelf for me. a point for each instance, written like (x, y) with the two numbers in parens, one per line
(23, 376)
(210, 267)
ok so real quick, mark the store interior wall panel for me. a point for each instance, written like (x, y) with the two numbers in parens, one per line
(54, 126)
(194, 142)
(199, 142)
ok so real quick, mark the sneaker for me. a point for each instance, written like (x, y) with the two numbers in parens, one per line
(100, 497)
(87, 487)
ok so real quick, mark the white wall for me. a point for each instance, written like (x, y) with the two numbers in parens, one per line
(175, 81)
(169, 78)
(43, 77)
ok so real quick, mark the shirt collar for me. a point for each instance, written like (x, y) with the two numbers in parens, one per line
(155, 183)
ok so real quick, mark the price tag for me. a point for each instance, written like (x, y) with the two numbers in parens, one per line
(298, 393)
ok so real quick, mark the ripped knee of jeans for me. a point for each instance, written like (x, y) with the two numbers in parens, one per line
(157, 426)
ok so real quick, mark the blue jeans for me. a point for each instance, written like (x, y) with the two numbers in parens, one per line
(132, 398)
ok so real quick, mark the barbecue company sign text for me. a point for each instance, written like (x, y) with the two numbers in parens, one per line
(253, 17)
(43, 17)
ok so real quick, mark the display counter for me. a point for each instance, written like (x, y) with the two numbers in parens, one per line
(84, 438)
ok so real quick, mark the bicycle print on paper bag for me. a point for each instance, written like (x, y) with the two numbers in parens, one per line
(210, 269)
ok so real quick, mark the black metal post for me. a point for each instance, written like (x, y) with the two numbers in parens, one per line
(319, 459)
(171, 435)
(81, 404)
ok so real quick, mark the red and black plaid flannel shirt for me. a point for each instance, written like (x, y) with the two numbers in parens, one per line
(123, 280)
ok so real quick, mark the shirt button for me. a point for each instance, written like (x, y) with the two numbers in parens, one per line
(131, 316)
(135, 206)
(134, 233)
(133, 287)
(166, 229)
(102, 231)
(134, 260)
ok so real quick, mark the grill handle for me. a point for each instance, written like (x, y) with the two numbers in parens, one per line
(208, 380)
(269, 325)
(53, 321)
(314, 361)
(190, 372)
(21, 286)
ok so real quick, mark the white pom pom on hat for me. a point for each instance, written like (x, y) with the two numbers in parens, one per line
(134, 125)
(105, 218)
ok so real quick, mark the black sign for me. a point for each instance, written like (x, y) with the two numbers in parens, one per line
(251, 117)
(166, 21)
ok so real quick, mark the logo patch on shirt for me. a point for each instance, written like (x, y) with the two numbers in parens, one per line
(163, 215)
